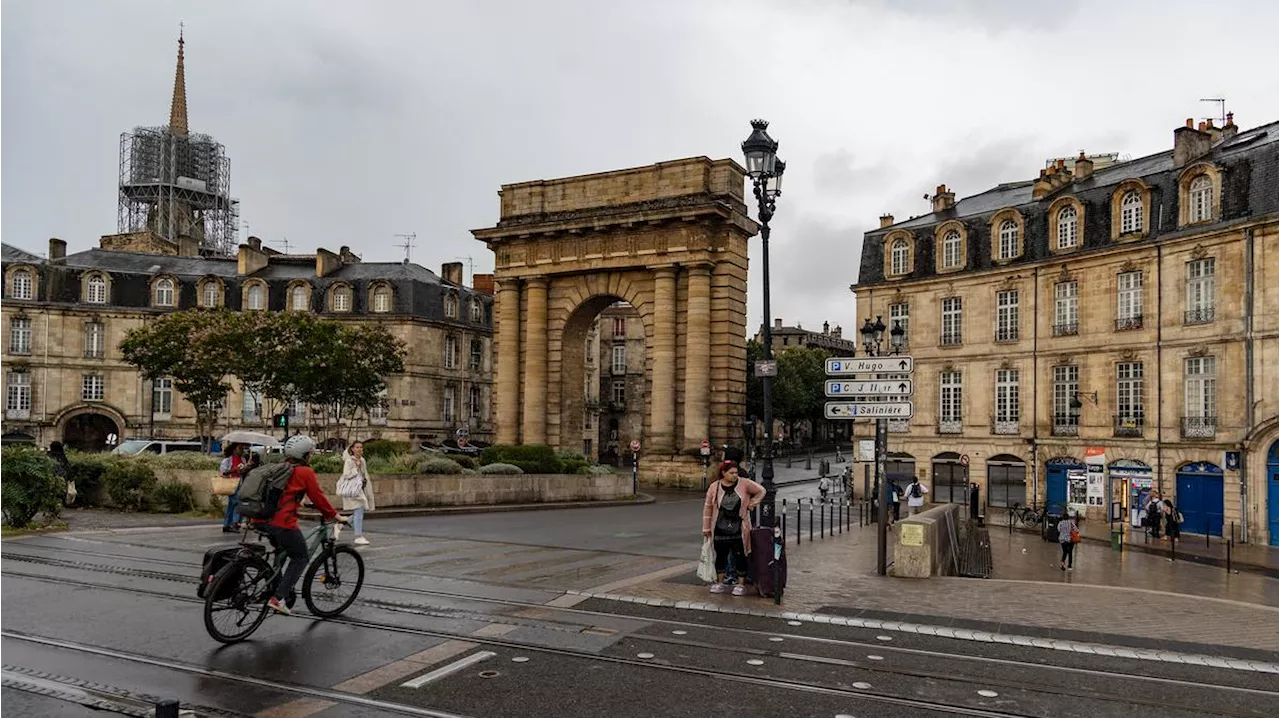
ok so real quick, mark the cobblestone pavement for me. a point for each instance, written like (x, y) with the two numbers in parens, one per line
(1126, 594)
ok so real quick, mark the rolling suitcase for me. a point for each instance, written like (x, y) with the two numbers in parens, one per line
(768, 564)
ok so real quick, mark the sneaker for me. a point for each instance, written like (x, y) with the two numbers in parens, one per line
(1071, 568)
(717, 588)
(739, 590)
(278, 606)
(361, 541)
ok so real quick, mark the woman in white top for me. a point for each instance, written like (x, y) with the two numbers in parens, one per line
(354, 466)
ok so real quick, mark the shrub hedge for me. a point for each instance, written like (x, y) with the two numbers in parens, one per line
(384, 448)
(130, 484)
(500, 468)
(531, 458)
(30, 487)
(436, 465)
(175, 497)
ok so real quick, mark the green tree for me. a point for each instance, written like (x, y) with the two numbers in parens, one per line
(797, 390)
(755, 387)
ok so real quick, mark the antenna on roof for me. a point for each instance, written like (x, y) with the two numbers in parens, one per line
(1222, 109)
(408, 244)
(471, 267)
(284, 242)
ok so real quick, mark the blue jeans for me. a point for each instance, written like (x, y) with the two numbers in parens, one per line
(232, 517)
(357, 520)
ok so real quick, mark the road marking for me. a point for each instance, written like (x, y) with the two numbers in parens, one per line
(443, 671)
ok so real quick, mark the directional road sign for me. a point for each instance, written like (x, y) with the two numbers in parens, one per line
(855, 389)
(870, 410)
(870, 365)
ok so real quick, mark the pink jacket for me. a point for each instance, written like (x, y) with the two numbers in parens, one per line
(749, 491)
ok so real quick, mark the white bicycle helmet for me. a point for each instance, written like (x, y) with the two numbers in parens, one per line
(297, 447)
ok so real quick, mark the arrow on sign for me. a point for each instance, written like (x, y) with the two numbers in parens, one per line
(858, 389)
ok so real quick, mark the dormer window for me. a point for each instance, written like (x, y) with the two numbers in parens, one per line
(951, 250)
(1008, 239)
(1068, 228)
(164, 292)
(477, 311)
(342, 299)
(95, 290)
(1201, 195)
(1131, 213)
(451, 306)
(382, 299)
(299, 298)
(901, 257)
(21, 284)
(255, 297)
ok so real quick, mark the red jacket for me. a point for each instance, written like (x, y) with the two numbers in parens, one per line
(302, 483)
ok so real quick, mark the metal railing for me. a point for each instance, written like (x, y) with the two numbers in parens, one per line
(1066, 329)
(1202, 315)
(1199, 427)
(899, 426)
(950, 340)
(1007, 427)
(950, 426)
(1007, 335)
(1066, 425)
(1128, 424)
(1124, 324)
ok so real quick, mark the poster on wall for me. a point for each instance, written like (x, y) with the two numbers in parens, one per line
(1077, 491)
(1097, 487)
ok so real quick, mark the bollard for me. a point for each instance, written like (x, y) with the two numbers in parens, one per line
(1011, 522)
(808, 461)
(797, 522)
(822, 519)
(167, 708)
(1230, 541)
(1233, 530)
(810, 520)
(840, 520)
(1206, 533)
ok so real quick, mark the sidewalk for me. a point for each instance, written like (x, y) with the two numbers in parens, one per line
(1108, 594)
(1255, 558)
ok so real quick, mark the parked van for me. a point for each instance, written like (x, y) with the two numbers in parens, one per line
(147, 446)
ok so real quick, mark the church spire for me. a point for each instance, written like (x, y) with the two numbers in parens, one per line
(178, 110)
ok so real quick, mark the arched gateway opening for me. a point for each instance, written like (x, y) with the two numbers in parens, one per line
(670, 241)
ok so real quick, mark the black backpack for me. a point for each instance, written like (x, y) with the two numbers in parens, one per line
(915, 489)
(261, 490)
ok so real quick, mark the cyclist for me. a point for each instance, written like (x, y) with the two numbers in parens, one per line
(283, 526)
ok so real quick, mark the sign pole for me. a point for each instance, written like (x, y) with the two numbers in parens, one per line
(882, 532)
(635, 467)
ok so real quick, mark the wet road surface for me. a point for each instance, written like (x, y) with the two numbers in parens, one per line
(471, 612)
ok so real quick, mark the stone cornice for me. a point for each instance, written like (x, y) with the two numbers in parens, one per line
(685, 207)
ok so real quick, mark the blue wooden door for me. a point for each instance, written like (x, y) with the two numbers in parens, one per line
(1273, 494)
(1056, 487)
(1200, 498)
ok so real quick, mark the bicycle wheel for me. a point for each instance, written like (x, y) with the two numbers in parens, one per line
(237, 601)
(332, 581)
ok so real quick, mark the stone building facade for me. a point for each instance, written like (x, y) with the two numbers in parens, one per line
(65, 315)
(615, 385)
(830, 339)
(1093, 336)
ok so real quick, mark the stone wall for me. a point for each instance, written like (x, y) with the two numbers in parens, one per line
(924, 543)
(455, 489)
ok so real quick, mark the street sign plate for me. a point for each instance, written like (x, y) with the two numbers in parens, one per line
(870, 365)
(869, 410)
(900, 388)
(767, 367)
(635, 444)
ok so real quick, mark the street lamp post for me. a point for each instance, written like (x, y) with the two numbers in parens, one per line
(765, 170)
(872, 337)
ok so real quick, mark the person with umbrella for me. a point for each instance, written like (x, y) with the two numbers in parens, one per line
(232, 467)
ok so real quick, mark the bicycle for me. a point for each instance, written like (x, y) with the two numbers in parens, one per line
(241, 588)
(1028, 516)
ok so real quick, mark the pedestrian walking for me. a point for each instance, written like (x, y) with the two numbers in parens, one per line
(356, 489)
(1155, 515)
(824, 486)
(895, 503)
(1068, 537)
(232, 467)
(1172, 521)
(915, 497)
(726, 519)
(62, 469)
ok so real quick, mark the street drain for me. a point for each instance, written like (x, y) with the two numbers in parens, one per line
(488, 674)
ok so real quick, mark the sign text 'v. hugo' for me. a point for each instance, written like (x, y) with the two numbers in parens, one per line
(853, 389)
(869, 410)
(870, 365)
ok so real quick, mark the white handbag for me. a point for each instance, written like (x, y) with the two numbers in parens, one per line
(351, 488)
(707, 563)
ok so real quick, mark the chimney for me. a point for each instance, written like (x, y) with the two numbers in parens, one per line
(251, 258)
(944, 199)
(482, 283)
(1215, 133)
(188, 246)
(1229, 130)
(327, 262)
(1190, 143)
(347, 256)
(1084, 167)
(838, 333)
(886, 220)
(451, 272)
(57, 249)
(777, 323)
(826, 328)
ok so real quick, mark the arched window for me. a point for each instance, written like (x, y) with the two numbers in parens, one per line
(299, 300)
(898, 262)
(1068, 234)
(1131, 212)
(210, 294)
(342, 299)
(382, 299)
(164, 292)
(451, 306)
(951, 250)
(1008, 239)
(1201, 199)
(96, 290)
(477, 311)
(256, 297)
(22, 284)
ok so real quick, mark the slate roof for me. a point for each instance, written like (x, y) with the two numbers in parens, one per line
(10, 253)
(301, 267)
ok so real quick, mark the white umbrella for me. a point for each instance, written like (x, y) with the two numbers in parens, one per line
(251, 437)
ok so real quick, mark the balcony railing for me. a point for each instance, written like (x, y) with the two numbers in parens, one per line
(1007, 335)
(1199, 427)
(1128, 424)
(1125, 324)
(1005, 427)
(1066, 425)
(950, 426)
(92, 353)
(1066, 329)
(899, 426)
(950, 340)
(1203, 315)
(21, 414)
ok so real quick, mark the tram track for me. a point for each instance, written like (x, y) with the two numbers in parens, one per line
(1074, 691)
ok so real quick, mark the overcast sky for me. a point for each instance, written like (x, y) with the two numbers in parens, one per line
(351, 122)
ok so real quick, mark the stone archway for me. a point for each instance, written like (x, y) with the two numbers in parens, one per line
(669, 239)
(90, 431)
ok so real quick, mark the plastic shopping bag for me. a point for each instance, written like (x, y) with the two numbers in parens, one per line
(707, 565)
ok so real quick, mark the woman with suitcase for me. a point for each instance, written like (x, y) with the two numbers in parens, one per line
(726, 519)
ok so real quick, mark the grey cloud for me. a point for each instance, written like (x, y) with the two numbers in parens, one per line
(813, 262)
(838, 172)
(993, 16)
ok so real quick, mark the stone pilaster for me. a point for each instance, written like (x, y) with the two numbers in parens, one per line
(534, 429)
(697, 352)
(508, 380)
(663, 404)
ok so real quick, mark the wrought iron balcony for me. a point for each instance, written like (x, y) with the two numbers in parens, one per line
(950, 340)
(93, 353)
(950, 426)
(1203, 315)
(1066, 329)
(1199, 427)
(1129, 424)
(1006, 427)
(1125, 324)
(1066, 425)
(19, 414)
(1007, 335)
(899, 426)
